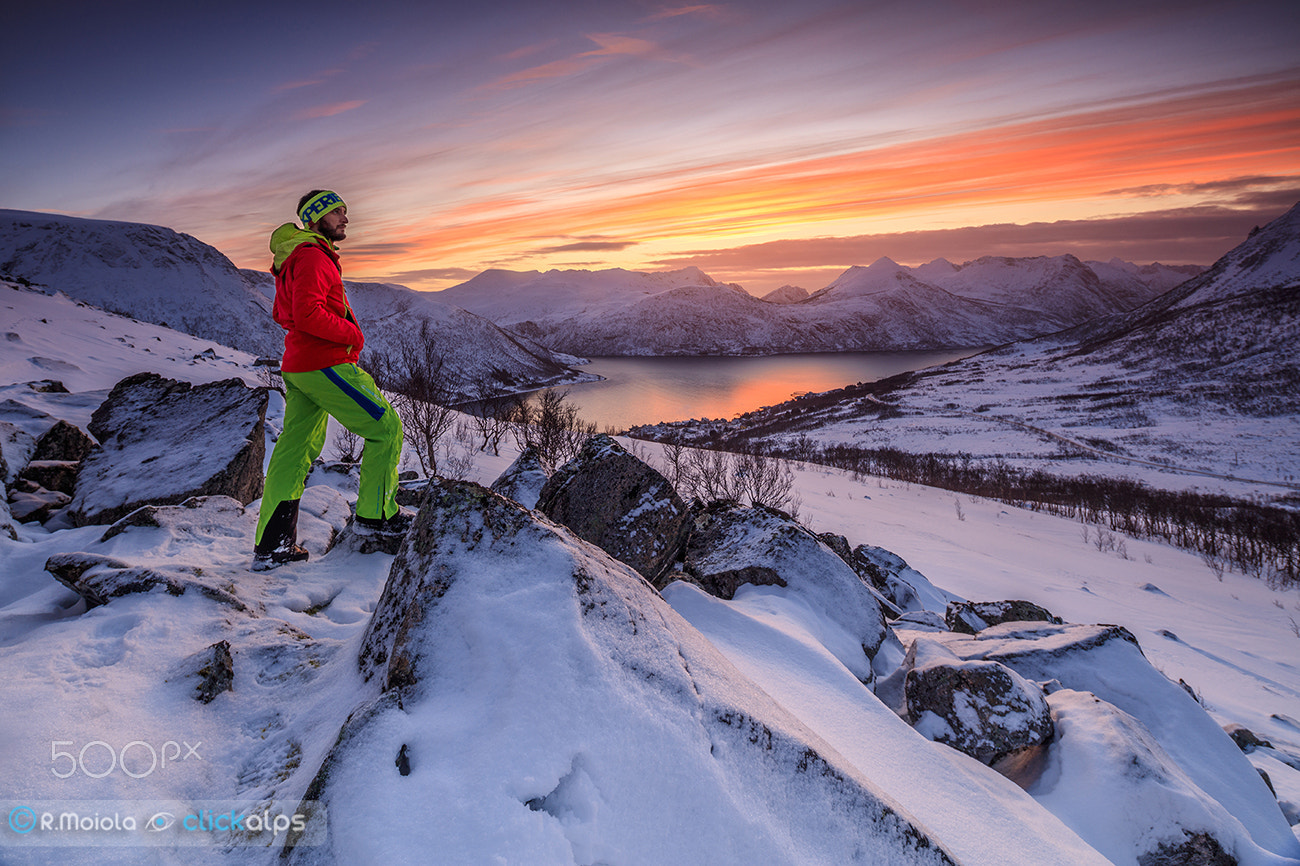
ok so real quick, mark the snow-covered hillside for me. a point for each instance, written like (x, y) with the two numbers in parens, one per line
(147, 272)
(882, 307)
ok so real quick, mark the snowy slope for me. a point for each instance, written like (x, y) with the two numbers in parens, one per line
(147, 272)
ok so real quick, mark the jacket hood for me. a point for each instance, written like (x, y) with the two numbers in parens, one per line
(288, 238)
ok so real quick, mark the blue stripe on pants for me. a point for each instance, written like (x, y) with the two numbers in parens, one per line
(373, 409)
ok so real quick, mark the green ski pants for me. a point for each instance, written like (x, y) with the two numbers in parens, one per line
(349, 394)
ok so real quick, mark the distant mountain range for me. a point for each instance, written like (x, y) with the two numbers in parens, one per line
(510, 325)
(882, 307)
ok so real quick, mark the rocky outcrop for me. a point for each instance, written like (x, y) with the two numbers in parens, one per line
(216, 672)
(63, 441)
(905, 587)
(164, 441)
(619, 503)
(982, 708)
(1119, 687)
(524, 479)
(733, 545)
(99, 579)
(971, 617)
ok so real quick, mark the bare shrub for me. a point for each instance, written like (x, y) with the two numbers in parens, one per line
(754, 479)
(347, 445)
(492, 412)
(551, 425)
(418, 380)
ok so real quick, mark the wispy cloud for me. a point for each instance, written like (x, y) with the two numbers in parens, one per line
(328, 110)
(610, 45)
(589, 246)
(713, 11)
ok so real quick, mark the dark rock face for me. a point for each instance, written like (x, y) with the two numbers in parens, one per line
(163, 441)
(29, 502)
(735, 544)
(1195, 849)
(970, 617)
(620, 504)
(984, 709)
(1245, 738)
(63, 441)
(524, 479)
(217, 674)
(58, 475)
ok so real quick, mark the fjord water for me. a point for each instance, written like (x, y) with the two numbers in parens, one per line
(648, 390)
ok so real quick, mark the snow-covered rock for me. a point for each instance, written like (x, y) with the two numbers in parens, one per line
(163, 441)
(982, 708)
(1106, 662)
(735, 545)
(619, 503)
(972, 617)
(1127, 796)
(524, 479)
(577, 671)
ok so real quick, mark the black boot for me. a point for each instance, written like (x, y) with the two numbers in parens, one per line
(279, 539)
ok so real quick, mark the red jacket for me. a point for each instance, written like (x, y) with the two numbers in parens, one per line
(312, 307)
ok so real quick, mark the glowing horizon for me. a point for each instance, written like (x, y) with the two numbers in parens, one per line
(765, 145)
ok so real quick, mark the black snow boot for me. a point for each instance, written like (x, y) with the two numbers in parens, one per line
(279, 539)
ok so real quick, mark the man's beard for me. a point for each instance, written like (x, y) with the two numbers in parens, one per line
(335, 234)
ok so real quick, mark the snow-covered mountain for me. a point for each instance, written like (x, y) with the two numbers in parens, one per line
(882, 307)
(157, 275)
(148, 272)
(512, 298)
(1204, 378)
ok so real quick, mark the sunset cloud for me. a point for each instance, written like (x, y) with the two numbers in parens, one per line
(328, 110)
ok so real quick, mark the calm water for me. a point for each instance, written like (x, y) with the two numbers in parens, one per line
(648, 390)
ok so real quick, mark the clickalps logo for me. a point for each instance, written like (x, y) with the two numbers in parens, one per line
(151, 823)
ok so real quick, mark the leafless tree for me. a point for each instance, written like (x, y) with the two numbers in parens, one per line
(492, 412)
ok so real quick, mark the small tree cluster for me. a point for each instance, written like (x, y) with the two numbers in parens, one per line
(753, 478)
(551, 425)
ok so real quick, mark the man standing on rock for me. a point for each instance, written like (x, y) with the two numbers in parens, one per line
(321, 378)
